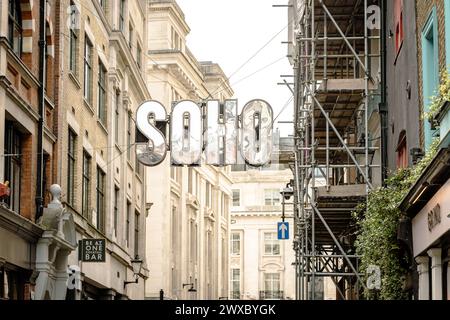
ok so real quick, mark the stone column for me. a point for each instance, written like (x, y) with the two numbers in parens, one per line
(422, 269)
(436, 273)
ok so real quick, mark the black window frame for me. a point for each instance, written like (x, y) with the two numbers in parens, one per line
(15, 25)
(122, 15)
(116, 209)
(101, 92)
(137, 216)
(13, 161)
(86, 184)
(71, 165)
(88, 69)
(101, 178)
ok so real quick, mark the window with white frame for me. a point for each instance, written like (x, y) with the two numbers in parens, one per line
(272, 286)
(235, 243)
(271, 244)
(236, 198)
(272, 197)
(235, 284)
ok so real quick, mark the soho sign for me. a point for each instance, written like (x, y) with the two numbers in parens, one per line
(211, 127)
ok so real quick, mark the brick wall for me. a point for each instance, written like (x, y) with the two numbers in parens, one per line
(424, 8)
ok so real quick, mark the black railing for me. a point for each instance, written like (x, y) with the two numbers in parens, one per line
(235, 295)
(271, 295)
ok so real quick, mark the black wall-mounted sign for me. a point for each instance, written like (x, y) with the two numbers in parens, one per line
(92, 250)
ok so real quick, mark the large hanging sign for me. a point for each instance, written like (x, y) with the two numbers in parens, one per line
(210, 127)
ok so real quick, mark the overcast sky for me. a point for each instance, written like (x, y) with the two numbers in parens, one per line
(229, 32)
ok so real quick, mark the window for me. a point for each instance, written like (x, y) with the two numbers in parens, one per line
(117, 118)
(71, 168)
(86, 184)
(129, 120)
(271, 197)
(122, 15)
(116, 210)
(402, 154)
(398, 20)
(13, 165)
(236, 198)
(73, 54)
(272, 288)
(102, 93)
(271, 244)
(193, 232)
(235, 284)
(190, 180)
(235, 244)
(100, 200)
(130, 36)
(430, 69)
(103, 5)
(208, 194)
(139, 166)
(15, 32)
(88, 53)
(127, 224)
(136, 233)
(139, 56)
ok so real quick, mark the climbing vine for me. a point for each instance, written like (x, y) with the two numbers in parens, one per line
(378, 221)
(442, 95)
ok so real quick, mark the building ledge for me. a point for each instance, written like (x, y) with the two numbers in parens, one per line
(19, 225)
(432, 179)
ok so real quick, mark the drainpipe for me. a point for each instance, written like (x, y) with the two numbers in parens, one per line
(383, 108)
(41, 102)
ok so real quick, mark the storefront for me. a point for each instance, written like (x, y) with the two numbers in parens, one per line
(18, 238)
(428, 206)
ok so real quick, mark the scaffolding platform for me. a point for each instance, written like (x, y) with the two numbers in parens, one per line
(336, 205)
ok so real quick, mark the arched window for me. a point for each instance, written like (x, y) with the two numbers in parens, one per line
(15, 31)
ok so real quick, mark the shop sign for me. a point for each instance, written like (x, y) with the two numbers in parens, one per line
(434, 217)
(92, 250)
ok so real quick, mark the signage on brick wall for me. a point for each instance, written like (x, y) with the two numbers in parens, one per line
(92, 250)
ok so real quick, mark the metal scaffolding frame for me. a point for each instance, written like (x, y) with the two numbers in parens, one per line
(333, 157)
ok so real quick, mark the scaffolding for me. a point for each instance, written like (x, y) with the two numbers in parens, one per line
(336, 71)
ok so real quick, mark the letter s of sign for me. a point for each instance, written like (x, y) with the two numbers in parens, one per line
(154, 151)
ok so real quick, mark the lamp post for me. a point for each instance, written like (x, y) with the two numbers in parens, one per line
(191, 289)
(136, 264)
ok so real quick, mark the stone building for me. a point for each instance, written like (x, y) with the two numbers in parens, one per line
(187, 229)
(102, 71)
(91, 85)
(261, 266)
(28, 120)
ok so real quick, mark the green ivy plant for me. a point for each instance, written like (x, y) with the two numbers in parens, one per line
(378, 221)
(442, 95)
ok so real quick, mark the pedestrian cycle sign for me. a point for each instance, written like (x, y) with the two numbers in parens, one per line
(283, 230)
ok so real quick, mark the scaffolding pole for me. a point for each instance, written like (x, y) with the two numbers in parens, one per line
(333, 153)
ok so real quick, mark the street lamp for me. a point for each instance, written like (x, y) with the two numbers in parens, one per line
(191, 289)
(136, 264)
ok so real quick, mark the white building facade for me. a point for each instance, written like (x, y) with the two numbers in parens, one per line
(187, 229)
(261, 266)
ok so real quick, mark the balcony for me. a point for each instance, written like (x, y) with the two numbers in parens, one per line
(271, 295)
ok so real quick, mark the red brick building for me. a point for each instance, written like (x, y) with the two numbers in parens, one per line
(21, 112)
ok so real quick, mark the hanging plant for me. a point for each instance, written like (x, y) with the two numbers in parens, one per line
(378, 222)
(437, 101)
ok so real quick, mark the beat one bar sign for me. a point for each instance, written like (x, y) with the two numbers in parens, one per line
(92, 250)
